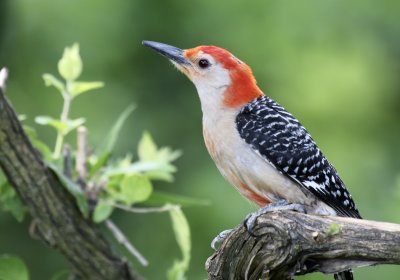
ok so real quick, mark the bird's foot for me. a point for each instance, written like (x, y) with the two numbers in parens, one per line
(220, 238)
(279, 205)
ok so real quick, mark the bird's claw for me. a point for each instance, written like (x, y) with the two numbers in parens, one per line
(251, 218)
(220, 238)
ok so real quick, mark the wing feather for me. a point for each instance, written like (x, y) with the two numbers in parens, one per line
(280, 139)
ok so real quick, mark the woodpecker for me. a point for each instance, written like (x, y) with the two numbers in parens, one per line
(258, 146)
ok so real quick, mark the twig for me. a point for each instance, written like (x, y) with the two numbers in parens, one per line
(145, 210)
(123, 240)
(67, 161)
(33, 231)
(81, 167)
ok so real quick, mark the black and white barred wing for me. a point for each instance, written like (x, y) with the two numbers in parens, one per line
(280, 139)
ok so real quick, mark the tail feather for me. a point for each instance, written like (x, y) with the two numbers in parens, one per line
(344, 275)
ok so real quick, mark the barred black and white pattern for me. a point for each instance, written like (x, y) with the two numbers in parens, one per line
(278, 137)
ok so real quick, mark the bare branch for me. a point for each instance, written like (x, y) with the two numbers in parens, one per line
(81, 167)
(67, 157)
(289, 243)
(123, 240)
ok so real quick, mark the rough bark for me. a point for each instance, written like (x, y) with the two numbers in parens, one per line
(288, 243)
(58, 220)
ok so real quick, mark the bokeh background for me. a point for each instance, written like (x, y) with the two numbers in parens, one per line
(334, 64)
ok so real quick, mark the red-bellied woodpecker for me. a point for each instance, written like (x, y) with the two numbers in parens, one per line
(259, 147)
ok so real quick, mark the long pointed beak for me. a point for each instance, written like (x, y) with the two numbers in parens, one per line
(173, 53)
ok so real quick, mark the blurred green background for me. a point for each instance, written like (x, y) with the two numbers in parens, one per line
(334, 64)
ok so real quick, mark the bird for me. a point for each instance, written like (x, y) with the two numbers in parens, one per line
(257, 145)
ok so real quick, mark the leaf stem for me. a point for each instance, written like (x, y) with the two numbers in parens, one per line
(67, 97)
(145, 210)
(58, 146)
(123, 240)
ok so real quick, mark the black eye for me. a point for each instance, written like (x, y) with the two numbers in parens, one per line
(203, 63)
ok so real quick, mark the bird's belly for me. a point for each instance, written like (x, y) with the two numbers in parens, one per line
(253, 176)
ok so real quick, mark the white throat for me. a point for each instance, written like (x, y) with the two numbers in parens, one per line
(211, 89)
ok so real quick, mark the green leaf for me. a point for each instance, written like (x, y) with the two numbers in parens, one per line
(154, 162)
(41, 146)
(72, 188)
(166, 154)
(112, 137)
(126, 161)
(70, 65)
(113, 188)
(62, 275)
(98, 163)
(15, 206)
(78, 88)
(149, 154)
(110, 140)
(9, 201)
(62, 127)
(50, 80)
(160, 175)
(160, 198)
(12, 268)
(138, 167)
(74, 124)
(102, 211)
(135, 188)
(147, 149)
(182, 236)
(3, 178)
(46, 120)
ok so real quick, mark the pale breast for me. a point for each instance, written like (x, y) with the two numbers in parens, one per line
(247, 171)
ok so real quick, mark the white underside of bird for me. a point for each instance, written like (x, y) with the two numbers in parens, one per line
(250, 173)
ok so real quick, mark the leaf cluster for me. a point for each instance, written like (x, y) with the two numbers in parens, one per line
(106, 183)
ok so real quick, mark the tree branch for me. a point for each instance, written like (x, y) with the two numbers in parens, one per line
(57, 219)
(288, 243)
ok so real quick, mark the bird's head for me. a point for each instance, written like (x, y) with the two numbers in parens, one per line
(220, 77)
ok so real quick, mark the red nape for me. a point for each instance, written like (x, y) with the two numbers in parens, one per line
(243, 88)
